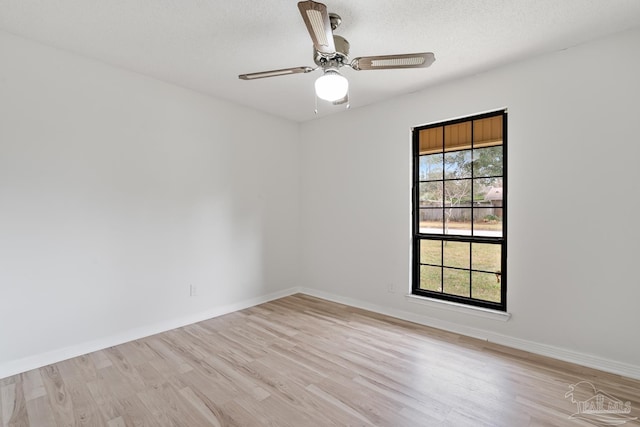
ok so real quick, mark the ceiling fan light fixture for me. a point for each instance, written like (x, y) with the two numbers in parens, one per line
(332, 86)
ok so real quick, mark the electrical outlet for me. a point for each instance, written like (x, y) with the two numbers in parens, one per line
(391, 288)
(193, 291)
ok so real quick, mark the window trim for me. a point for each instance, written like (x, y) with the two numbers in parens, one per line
(416, 236)
(472, 310)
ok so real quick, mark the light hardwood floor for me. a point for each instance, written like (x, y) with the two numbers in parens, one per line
(301, 361)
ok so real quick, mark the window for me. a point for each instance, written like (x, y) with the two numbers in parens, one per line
(460, 210)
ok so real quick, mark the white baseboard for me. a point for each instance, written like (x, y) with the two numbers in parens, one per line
(32, 362)
(588, 360)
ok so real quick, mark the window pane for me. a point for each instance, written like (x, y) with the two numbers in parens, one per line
(487, 222)
(457, 282)
(457, 193)
(456, 254)
(487, 192)
(457, 221)
(431, 220)
(431, 140)
(431, 194)
(457, 136)
(430, 278)
(484, 213)
(457, 164)
(486, 286)
(487, 161)
(431, 252)
(431, 167)
(487, 131)
(486, 257)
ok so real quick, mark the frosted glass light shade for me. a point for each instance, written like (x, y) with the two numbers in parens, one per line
(332, 86)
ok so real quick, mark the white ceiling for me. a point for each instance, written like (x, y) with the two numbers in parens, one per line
(204, 44)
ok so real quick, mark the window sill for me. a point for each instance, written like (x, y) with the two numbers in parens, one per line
(459, 308)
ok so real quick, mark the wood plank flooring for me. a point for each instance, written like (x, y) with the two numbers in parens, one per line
(302, 361)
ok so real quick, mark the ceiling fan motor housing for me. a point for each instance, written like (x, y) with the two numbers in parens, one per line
(337, 59)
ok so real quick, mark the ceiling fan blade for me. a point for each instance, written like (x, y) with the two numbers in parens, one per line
(316, 19)
(274, 73)
(386, 62)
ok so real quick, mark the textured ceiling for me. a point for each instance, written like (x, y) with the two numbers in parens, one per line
(204, 44)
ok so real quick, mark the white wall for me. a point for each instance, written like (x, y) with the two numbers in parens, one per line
(118, 191)
(574, 230)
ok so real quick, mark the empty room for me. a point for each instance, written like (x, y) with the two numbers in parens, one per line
(294, 213)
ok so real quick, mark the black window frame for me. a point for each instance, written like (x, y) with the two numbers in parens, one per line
(417, 237)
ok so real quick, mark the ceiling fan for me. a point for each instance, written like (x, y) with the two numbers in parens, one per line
(331, 52)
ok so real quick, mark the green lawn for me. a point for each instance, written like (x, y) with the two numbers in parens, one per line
(480, 261)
